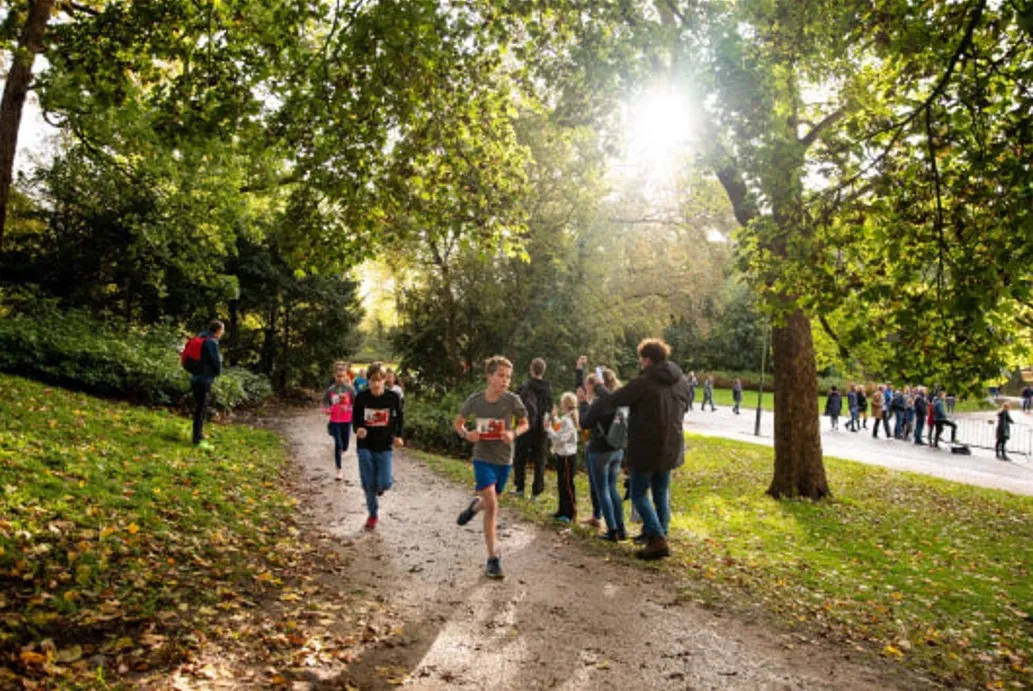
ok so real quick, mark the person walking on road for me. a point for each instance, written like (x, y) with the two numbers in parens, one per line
(693, 383)
(708, 394)
(833, 407)
(737, 395)
(851, 404)
(1004, 423)
(862, 405)
(921, 411)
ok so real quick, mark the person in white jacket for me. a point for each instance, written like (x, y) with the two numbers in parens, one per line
(562, 430)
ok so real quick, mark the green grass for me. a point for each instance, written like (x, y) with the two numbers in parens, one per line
(937, 574)
(111, 523)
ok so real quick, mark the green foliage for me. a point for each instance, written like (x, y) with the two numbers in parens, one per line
(428, 421)
(921, 570)
(74, 350)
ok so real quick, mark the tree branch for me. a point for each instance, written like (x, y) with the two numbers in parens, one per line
(827, 122)
(843, 351)
(76, 7)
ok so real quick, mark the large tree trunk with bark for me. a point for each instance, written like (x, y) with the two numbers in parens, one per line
(30, 44)
(799, 469)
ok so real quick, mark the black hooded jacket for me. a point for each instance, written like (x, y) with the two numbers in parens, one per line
(540, 392)
(657, 400)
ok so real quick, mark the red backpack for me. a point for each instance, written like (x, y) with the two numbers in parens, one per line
(190, 358)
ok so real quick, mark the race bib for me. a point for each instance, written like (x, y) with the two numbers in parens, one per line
(377, 417)
(490, 429)
(335, 398)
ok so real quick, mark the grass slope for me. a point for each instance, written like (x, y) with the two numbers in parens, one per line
(124, 550)
(937, 574)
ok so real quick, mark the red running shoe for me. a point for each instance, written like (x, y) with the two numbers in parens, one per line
(371, 523)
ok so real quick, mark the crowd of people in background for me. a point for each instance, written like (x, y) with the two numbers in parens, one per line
(912, 414)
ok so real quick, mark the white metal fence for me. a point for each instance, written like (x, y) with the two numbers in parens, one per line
(981, 432)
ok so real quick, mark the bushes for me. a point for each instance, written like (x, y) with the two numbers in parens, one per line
(76, 351)
(428, 421)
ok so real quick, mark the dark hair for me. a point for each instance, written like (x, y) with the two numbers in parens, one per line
(538, 367)
(654, 349)
(215, 326)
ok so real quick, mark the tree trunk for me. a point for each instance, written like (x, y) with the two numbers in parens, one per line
(233, 341)
(799, 470)
(30, 44)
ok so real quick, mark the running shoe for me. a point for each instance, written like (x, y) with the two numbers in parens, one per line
(468, 513)
(494, 568)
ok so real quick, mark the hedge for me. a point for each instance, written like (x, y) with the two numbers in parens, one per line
(75, 351)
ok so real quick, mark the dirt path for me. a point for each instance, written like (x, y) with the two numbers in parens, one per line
(562, 618)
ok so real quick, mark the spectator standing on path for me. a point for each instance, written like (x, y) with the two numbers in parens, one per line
(921, 412)
(338, 400)
(887, 401)
(851, 404)
(898, 406)
(834, 406)
(940, 416)
(737, 395)
(1004, 423)
(586, 396)
(604, 463)
(562, 430)
(499, 418)
(536, 395)
(951, 400)
(657, 400)
(377, 419)
(877, 403)
(395, 384)
(202, 380)
(1027, 399)
(693, 383)
(930, 419)
(708, 394)
(862, 405)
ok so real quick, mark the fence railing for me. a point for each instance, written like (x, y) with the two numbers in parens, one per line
(982, 434)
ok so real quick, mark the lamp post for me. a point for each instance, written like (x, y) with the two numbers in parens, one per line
(760, 392)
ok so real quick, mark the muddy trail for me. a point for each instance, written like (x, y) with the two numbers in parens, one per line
(563, 618)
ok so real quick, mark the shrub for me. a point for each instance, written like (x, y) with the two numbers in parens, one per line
(428, 421)
(76, 351)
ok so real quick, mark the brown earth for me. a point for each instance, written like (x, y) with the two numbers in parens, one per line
(564, 617)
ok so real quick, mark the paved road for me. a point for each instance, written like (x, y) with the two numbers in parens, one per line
(981, 468)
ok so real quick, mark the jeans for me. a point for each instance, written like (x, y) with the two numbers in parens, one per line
(919, 424)
(597, 512)
(605, 467)
(898, 425)
(201, 390)
(708, 397)
(738, 403)
(566, 467)
(655, 520)
(341, 432)
(375, 471)
(885, 422)
(853, 424)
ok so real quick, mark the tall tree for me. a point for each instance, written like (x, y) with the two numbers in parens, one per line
(16, 89)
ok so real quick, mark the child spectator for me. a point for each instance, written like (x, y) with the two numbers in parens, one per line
(563, 432)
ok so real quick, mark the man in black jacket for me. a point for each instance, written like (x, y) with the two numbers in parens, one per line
(536, 394)
(658, 399)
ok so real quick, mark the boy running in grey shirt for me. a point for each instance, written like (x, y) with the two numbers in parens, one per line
(499, 417)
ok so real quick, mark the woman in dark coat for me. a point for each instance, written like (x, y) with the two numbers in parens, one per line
(1004, 423)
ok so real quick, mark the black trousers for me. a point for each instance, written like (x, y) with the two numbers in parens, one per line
(202, 392)
(566, 467)
(530, 448)
(940, 424)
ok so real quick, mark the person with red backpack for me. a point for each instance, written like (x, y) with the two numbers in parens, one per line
(201, 358)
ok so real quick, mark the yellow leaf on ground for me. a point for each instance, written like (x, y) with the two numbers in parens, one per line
(890, 651)
(133, 528)
(69, 655)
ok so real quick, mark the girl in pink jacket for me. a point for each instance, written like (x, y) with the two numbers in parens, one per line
(337, 403)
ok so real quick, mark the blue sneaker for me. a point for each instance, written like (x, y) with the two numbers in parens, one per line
(494, 568)
(468, 513)
(563, 519)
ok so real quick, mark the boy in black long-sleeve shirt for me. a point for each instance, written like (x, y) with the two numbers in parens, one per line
(377, 420)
